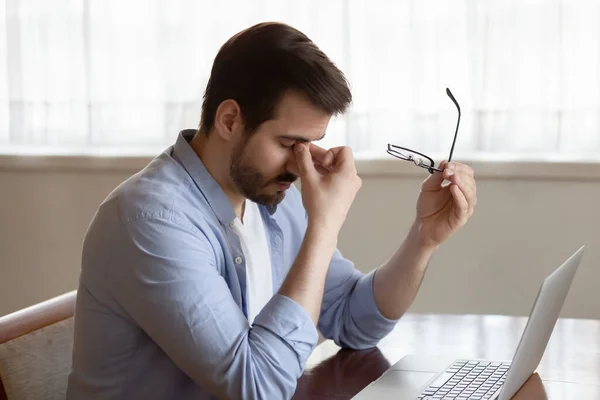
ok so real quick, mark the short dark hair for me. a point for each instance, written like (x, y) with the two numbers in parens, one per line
(259, 64)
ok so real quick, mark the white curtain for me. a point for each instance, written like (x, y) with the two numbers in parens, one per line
(88, 74)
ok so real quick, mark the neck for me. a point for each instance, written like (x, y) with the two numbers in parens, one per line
(211, 151)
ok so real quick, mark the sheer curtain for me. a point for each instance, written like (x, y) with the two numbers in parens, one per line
(129, 74)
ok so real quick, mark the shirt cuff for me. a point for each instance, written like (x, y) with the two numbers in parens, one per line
(364, 310)
(290, 322)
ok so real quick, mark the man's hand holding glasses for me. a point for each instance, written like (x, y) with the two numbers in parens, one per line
(441, 209)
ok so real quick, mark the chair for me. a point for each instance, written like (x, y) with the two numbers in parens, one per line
(35, 350)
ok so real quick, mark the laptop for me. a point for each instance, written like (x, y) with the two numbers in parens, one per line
(485, 380)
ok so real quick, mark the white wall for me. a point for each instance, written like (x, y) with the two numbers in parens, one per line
(520, 232)
(530, 217)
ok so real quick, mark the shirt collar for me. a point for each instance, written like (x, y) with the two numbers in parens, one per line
(209, 187)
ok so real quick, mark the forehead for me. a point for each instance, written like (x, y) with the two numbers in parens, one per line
(296, 117)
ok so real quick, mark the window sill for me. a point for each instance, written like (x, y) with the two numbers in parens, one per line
(486, 167)
(492, 167)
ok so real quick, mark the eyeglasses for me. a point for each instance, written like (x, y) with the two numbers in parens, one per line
(420, 159)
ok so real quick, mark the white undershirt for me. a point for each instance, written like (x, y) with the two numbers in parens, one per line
(253, 238)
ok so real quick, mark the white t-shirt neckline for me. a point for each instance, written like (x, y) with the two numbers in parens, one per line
(253, 239)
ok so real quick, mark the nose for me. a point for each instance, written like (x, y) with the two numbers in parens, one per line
(292, 166)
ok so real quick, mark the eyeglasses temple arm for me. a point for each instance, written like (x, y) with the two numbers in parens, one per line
(449, 93)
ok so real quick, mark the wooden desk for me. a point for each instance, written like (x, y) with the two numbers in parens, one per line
(570, 368)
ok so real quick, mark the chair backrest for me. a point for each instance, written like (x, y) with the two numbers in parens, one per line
(35, 350)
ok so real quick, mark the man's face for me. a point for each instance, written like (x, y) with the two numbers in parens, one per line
(263, 165)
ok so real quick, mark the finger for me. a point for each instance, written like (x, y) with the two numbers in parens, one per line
(461, 179)
(317, 152)
(434, 181)
(322, 170)
(467, 186)
(326, 163)
(328, 159)
(324, 157)
(461, 206)
(344, 160)
(462, 168)
(305, 163)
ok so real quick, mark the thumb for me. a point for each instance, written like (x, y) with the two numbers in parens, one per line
(305, 163)
(435, 180)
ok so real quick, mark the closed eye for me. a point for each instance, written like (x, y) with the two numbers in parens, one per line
(286, 143)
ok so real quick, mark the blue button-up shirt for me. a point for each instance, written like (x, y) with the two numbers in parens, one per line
(161, 306)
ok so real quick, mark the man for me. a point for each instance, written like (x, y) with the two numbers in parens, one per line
(207, 274)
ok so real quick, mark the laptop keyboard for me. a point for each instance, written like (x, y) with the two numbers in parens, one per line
(474, 380)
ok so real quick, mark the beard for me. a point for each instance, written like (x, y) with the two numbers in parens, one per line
(252, 183)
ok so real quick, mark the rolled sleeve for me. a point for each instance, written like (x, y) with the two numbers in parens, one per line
(349, 314)
(365, 312)
(291, 323)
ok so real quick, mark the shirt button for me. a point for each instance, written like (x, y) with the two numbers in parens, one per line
(232, 224)
(238, 260)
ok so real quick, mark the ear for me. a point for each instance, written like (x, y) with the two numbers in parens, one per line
(229, 124)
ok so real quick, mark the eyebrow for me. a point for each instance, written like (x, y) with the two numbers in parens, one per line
(300, 138)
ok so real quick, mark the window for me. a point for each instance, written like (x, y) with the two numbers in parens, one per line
(129, 74)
